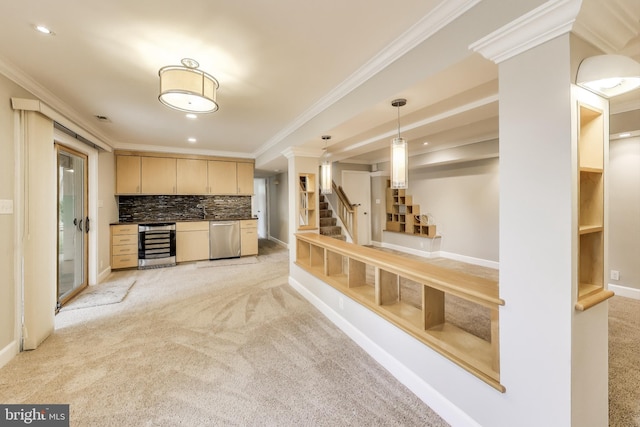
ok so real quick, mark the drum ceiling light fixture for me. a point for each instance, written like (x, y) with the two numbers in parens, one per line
(186, 88)
(609, 75)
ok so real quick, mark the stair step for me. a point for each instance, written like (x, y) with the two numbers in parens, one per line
(326, 213)
(324, 205)
(327, 221)
(331, 230)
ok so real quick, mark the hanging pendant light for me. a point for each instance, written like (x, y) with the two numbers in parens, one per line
(325, 170)
(399, 154)
(185, 88)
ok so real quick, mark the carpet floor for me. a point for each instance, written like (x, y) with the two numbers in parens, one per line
(206, 347)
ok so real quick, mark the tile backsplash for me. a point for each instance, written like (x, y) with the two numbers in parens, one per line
(182, 208)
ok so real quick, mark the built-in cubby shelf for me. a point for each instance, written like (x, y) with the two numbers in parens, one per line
(403, 216)
(591, 229)
(411, 295)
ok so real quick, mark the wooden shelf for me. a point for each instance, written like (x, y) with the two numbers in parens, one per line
(307, 202)
(374, 279)
(401, 214)
(593, 298)
(586, 229)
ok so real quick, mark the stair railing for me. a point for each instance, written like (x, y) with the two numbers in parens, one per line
(347, 212)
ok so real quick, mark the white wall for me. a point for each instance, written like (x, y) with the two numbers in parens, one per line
(278, 193)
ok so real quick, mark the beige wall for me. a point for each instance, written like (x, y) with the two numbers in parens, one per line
(279, 207)
(107, 210)
(7, 222)
(624, 211)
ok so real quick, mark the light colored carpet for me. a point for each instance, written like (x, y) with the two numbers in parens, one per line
(227, 262)
(110, 292)
(189, 348)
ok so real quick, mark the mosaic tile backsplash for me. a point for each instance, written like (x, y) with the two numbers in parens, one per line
(182, 208)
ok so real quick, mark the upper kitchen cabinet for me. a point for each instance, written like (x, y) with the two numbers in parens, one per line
(223, 177)
(127, 174)
(228, 177)
(191, 176)
(158, 175)
(245, 178)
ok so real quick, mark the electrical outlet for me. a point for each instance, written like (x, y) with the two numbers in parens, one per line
(6, 207)
(615, 275)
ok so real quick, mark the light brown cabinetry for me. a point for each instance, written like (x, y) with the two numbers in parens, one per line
(404, 217)
(124, 246)
(127, 174)
(248, 237)
(192, 241)
(223, 178)
(591, 224)
(245, 178)
(191, 176)
(158, 175)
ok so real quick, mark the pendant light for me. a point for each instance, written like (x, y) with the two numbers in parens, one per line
(399, 154)
(186, 88)
(325, 170)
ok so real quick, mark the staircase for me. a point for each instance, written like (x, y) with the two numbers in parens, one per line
(328, 222)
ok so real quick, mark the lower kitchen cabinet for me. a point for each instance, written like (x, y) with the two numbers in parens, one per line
(124, 246)
(192, 241)
(248, 237)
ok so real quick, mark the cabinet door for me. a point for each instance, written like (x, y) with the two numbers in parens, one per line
(127, 174)
(222, 177)
(158, 175)
(192, 245)
(245, 178)
(191, 176)
(248, 241)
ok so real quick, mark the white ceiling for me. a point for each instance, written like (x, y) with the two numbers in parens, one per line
(289, 70)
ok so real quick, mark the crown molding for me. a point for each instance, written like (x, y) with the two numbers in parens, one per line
(438, 18)
(64, 112)
(598, 18)
(292, 152)
(538, 26)
(173, 150)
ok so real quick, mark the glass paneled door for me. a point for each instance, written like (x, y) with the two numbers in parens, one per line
(73, 223)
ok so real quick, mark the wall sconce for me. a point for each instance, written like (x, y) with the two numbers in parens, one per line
(399, 154)
(185, 88)
(326, 175)
(609, 75)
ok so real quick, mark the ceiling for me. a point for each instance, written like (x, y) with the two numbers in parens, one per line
(290, 71)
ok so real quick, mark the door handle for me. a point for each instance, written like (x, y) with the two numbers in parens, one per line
(86, 225)
(80, 224)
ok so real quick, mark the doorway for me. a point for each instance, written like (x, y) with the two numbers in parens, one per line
(357, 186)
(259, 205)
(73, 223)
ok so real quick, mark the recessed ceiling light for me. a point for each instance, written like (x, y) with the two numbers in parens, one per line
(191, 140)
(191, 116)
(44, 30)
(425, 143)
(625, 135)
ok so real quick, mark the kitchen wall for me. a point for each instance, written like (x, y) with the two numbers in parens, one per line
(175, 208)
(107, 211)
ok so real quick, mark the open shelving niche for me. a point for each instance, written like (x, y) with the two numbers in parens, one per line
(307, 201)
(381, 281)
(591, 189)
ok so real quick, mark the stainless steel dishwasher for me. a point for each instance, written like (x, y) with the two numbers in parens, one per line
(224, 239)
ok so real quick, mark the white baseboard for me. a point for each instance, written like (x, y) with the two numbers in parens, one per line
(281, 243)
(470, 260)
(625, 291)
(102, 276)
(430, 396)
(443, 254)
(9, 352)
